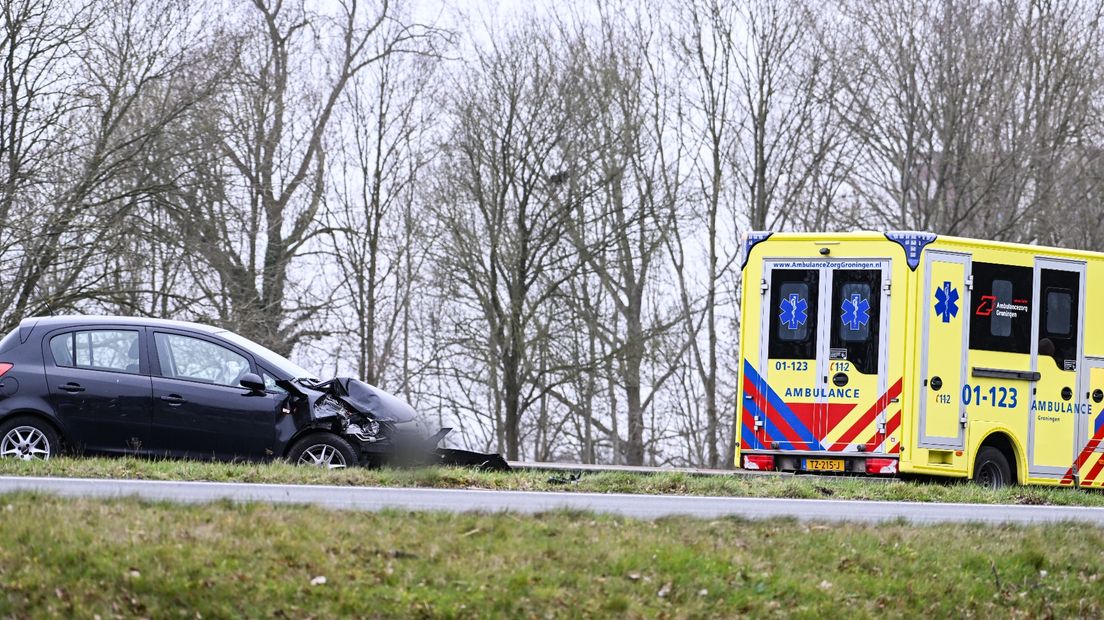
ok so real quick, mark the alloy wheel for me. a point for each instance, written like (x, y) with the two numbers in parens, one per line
(323, 455)
(26, 443)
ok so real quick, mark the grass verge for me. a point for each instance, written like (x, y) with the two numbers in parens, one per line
(81, 558)
(604, 482)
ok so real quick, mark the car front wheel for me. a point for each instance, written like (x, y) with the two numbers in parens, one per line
(323, 450)
(28, 439)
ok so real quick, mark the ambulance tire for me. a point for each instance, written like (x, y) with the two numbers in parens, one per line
(991, 469)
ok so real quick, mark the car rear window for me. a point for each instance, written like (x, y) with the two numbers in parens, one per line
(116, 350)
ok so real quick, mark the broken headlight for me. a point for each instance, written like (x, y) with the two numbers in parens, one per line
(368, 430)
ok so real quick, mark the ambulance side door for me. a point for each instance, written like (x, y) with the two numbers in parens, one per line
(1056, 354)
(945, 329)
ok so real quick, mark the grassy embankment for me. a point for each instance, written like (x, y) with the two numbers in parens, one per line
(606, 482)
(80, 558)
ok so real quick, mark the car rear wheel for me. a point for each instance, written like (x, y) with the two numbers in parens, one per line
(28, 439)
(323, 450)
(991, 469)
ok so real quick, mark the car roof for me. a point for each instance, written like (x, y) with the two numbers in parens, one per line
(91, 319)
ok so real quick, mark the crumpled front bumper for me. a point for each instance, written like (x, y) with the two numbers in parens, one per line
(407, 449)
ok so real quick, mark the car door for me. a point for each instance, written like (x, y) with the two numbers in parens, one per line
(100, 387)
(200, 410)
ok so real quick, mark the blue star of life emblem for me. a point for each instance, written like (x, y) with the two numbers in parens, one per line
(856, 312)
(795, 311)
(946, 302)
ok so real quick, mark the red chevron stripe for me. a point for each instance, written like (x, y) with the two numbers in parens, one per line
(867, 418)
(891, 426)
(1093, 473)
(1084, 456)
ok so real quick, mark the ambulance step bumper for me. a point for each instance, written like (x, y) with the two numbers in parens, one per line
(820, 462)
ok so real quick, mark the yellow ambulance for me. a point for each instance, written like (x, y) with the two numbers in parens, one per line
(913, 353)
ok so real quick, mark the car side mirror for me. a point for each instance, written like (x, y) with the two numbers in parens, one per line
(253, 382)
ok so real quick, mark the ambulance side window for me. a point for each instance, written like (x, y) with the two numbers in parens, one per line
(856, 316)
(1058, 319)
(793, 314)
(1000, 319)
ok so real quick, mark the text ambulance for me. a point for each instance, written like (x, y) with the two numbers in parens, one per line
(909, 352)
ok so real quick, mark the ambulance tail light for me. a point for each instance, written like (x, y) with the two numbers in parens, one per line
(760, 462)
(881, 466)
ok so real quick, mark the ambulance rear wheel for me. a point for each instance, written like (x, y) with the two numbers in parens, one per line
(991, 469)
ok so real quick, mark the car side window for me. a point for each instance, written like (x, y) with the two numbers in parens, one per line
(184, 357)
(115, 350)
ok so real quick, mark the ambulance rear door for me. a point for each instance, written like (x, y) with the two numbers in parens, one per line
(858, 391)
(786, 403)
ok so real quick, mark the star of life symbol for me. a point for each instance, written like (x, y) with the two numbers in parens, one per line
(946, 302)
(795, 311)
(856, 312)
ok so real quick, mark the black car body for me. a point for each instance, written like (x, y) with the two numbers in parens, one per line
(123, 385)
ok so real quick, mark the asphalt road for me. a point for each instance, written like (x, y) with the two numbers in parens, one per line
(636, 506)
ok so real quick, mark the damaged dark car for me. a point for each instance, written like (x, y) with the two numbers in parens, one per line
(149, 387)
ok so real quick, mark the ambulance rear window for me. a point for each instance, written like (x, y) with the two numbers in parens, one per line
(793, 313)
(856, 314)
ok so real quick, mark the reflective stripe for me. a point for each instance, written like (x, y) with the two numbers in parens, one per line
(777, 406)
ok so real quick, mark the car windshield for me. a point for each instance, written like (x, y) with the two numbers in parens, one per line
(282, 364)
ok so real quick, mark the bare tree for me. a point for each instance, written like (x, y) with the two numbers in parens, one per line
(966, 111)
(294, 68)
(623, 231)
(88, 89)
(380, 165)
(507, 174)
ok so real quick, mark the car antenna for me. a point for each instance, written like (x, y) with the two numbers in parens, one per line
(48, 308)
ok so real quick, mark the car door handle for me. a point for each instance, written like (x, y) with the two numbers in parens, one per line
(71, 387)
(174, 399)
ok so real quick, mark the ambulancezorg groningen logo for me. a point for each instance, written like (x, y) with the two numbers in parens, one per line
(946, 302)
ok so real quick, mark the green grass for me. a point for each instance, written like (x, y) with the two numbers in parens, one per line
(80, 558)
(605, 482)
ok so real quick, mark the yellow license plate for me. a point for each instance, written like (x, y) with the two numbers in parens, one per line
(823, 465)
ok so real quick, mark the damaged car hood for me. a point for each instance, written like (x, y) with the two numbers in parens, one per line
(370, 399)
(357, 395)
